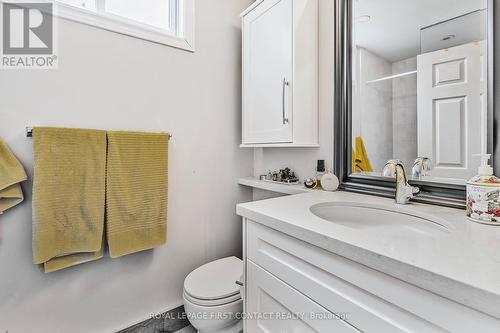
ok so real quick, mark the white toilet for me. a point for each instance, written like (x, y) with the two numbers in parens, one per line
(212, 298)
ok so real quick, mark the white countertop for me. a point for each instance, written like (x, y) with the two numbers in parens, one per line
(462, 263)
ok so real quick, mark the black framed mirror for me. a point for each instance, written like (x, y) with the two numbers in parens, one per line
(439, 57)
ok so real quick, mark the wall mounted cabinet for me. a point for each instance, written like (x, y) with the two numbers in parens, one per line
(280, 74)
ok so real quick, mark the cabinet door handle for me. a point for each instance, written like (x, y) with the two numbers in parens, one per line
(283, 93)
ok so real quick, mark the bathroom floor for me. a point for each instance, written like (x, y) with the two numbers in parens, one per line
(187, 329)
(173, 321)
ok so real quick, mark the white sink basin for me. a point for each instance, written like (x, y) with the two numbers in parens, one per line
(399, 219)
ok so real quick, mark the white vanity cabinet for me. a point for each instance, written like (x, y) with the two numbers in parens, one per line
(285, 276)
(280, 74)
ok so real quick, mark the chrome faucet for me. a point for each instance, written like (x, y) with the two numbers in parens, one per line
(404, 191)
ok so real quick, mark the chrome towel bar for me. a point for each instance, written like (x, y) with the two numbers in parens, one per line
(29, 133)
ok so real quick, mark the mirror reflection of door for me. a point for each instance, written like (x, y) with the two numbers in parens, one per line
(419, 77)
(451, 109)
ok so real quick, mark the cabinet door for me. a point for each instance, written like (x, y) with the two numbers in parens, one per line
(278, 307)
(372, 300)
(267, 73)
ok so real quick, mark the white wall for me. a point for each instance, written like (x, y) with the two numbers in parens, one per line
(110, 81)
(375, 107)
(404, 112)
(303, 160)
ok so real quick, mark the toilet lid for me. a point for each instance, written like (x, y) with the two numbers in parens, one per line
(215, 279)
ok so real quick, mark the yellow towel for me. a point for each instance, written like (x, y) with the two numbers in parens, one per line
(68, 196)
(353, 161)
(11, 174)
(136, 191)
(360, 160)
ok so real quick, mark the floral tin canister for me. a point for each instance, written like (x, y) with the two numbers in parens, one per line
(483, 199)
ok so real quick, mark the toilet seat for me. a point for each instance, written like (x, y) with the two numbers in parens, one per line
(215, 282)
(212, 302)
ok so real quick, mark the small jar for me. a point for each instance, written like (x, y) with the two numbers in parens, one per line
(320, 171)
(483, 199)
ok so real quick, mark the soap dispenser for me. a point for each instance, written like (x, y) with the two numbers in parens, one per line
(483, 195)
(320, 171)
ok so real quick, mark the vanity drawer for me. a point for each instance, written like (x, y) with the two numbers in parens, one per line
(374, 302)
(276, 303)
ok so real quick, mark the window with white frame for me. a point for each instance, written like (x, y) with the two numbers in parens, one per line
(169, 22)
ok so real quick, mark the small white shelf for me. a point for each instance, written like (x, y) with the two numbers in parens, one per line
(279, 145)
(252, 7)
(392, 77)
(274, 187)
